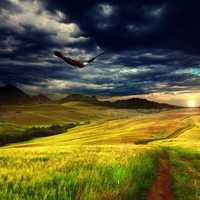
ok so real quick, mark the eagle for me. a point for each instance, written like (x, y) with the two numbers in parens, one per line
(73, 62)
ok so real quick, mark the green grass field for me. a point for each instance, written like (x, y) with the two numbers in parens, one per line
(115, 156)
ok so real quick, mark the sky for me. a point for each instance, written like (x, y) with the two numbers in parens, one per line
(152, 47)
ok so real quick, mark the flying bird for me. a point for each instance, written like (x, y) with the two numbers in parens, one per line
(73, 62)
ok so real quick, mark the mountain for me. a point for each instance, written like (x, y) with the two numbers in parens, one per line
(133, 103)
(12, 95)
(11, 91)
(41, 99)
(137, 103)
(81, 98)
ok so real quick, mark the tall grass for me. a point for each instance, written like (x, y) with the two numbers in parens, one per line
(185, 173)
(86, 173)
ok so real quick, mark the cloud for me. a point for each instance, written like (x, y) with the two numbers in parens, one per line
(10, 45)
(146, 50)
(70, 85)
(106, 10)
(34, 15)
(155, 12)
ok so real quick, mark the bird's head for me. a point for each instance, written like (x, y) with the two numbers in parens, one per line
(57, 53)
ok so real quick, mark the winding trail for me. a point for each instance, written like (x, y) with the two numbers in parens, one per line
(162, 186)
(190, 124)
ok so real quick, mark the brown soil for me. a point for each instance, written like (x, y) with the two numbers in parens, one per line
(161, 188)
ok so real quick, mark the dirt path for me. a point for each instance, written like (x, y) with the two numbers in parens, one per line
(161, 188)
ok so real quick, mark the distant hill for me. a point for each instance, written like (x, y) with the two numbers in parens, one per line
(137, 103)
(41, 99)
(11, 91)
(133, 103)
(81, 98)
(10, 94)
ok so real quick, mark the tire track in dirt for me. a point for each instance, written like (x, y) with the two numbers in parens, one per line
(161, 188)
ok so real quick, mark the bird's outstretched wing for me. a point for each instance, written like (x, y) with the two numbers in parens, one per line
(68, 60)
(91, 60)
(73, 62)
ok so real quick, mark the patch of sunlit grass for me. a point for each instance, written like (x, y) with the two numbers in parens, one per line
(76, 172)
(186, 173)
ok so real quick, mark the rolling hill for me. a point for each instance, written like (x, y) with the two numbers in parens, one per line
(11, 95)
(133, 103)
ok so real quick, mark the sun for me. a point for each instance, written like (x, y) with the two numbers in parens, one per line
(191, 103)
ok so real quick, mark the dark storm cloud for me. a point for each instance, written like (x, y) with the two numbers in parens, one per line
(143, 24)
(150, 45)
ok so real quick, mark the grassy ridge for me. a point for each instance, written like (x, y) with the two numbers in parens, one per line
(108, 125)
(57, 114)
(20, 123)
(118, 131)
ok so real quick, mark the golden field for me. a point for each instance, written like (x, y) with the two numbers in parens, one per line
(114, 156)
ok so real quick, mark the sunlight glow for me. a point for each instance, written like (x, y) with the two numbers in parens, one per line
(191, 103)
